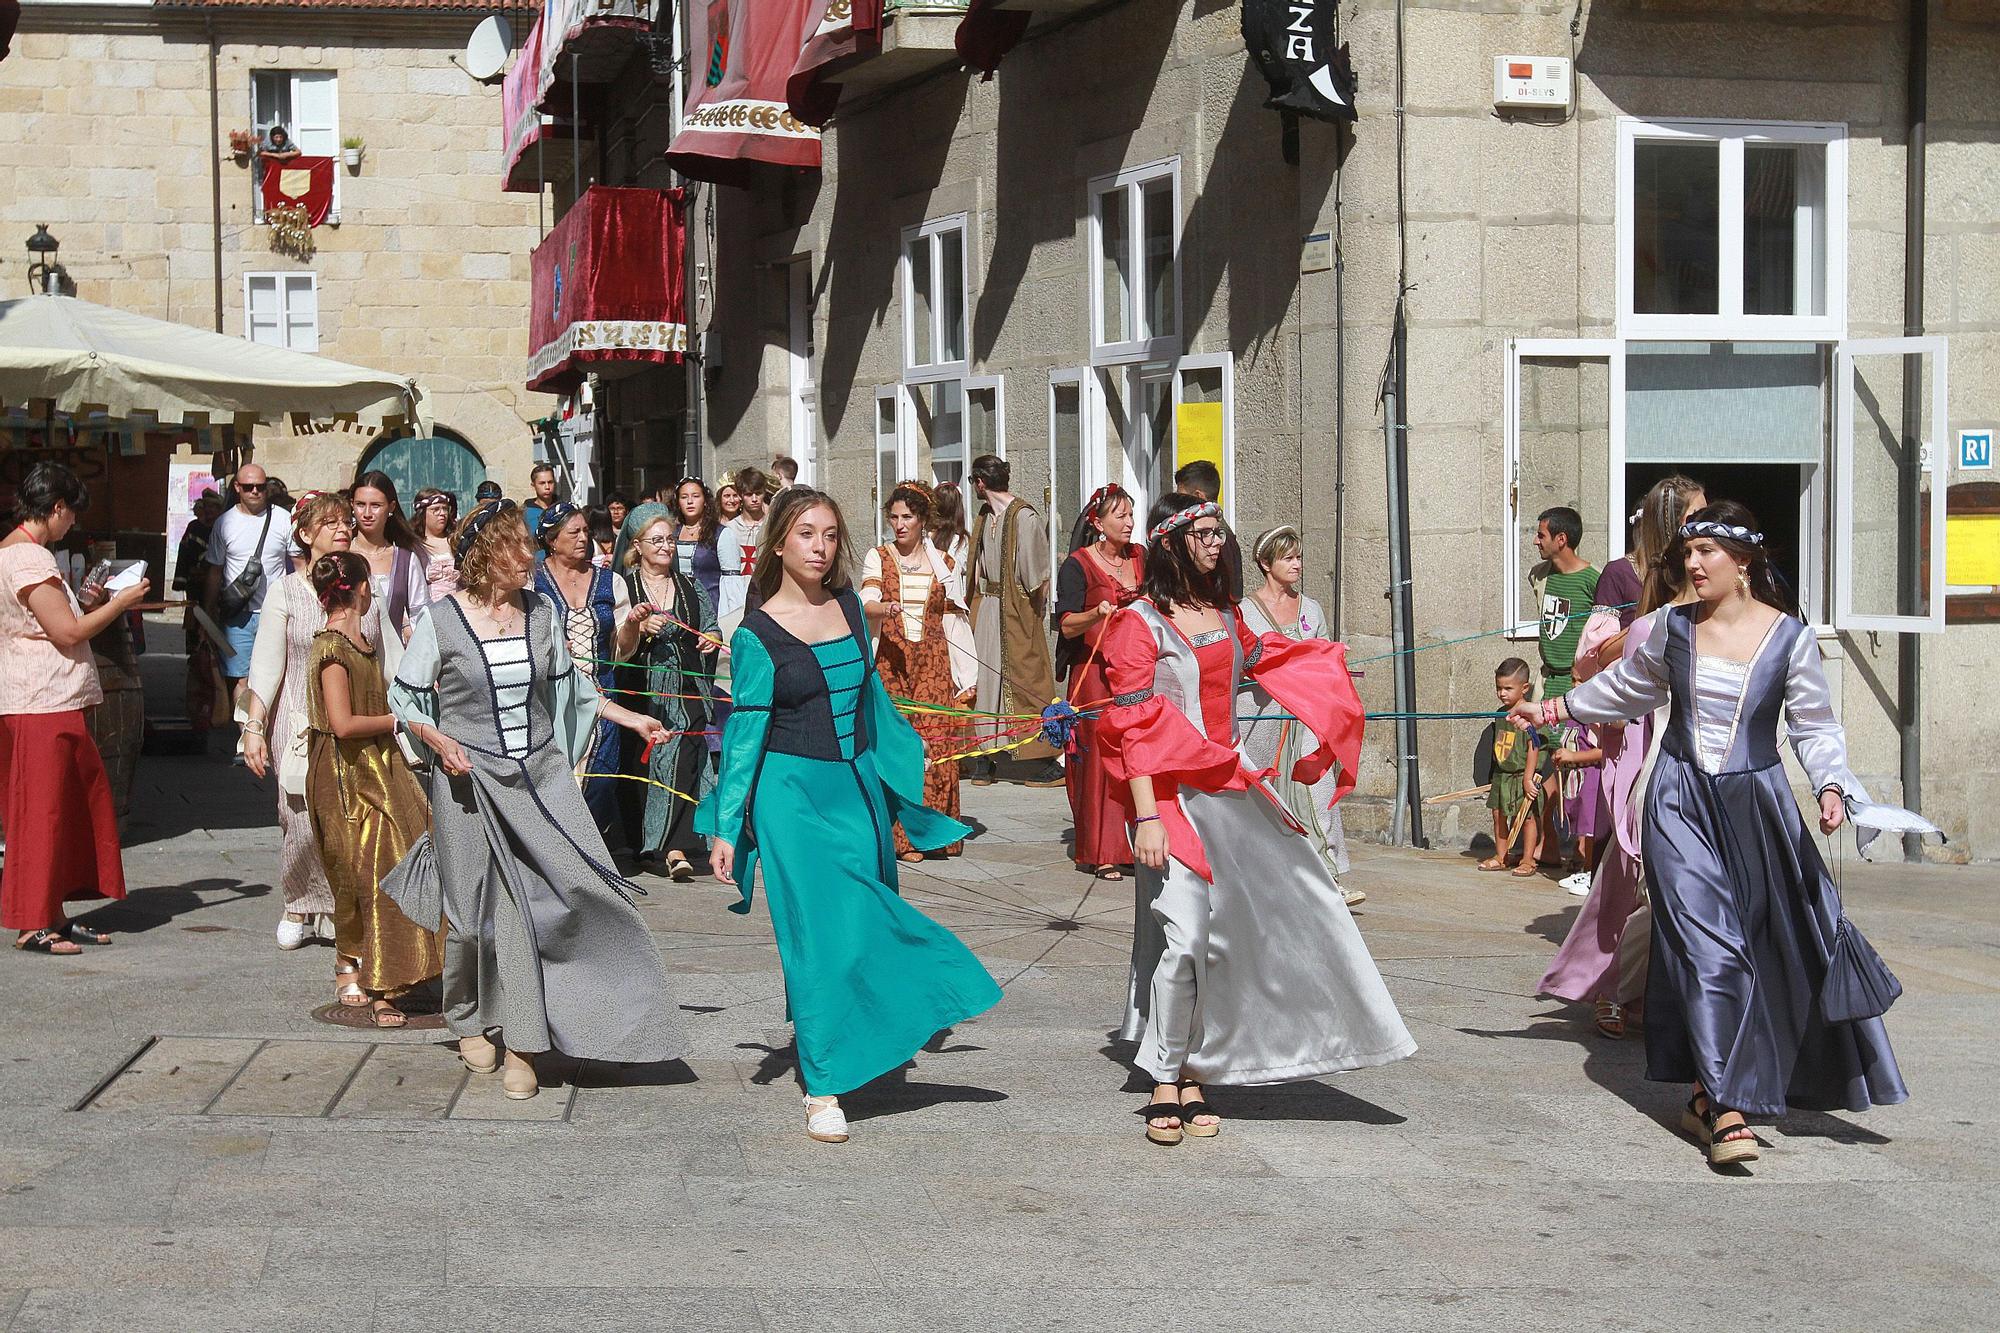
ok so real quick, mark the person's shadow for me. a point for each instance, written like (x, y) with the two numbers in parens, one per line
(149, 909)
(1307, 1099)
(890, 1094)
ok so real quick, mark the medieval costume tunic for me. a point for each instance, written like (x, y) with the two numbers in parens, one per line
(816, 766)
(1246, 966)
(913, 659)
(368, 810)
(588, 631)
(1082, 584)
(1760, 988)
(671, 679)
(1008, 597)
(1280, 743)
(545, 944)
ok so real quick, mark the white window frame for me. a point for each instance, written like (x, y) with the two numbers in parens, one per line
(1089, 449)
(915, 372)
(1129, 185)
(1137, 447)
(332, 78)
(898, 444)
(974, 384)
(1729, 322)
(1226, 363)
(1936, 461)
(281, 278)
(804, 389)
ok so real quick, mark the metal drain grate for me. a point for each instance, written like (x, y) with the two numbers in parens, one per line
(312, 1079)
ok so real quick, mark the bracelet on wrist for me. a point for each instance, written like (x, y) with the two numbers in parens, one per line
(252, 727)
(1145, 819)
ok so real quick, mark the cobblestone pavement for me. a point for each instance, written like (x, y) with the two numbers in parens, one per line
(252, 1167)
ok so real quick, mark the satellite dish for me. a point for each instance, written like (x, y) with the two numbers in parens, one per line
(486, 54)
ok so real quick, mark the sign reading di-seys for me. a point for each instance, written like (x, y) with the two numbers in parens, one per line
(1292, 42)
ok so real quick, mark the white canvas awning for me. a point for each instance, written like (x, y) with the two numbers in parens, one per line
(90, 358)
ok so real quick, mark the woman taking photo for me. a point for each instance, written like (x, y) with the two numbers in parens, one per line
(1761, 993)
(817, 764)
(908, 589)
(1279, 607)
(589, 604)
(62, 830)
(367, 808)
(670, 635)
(1246, 967)
(1102, 574)
(397, 561)
(274, 733)
(437, 515)
(544, 947)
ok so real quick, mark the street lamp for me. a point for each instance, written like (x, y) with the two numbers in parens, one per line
(44, 273)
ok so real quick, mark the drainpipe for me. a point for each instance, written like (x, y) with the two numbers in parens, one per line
(1909, 647)
(1339, 404)
(1408, 817)
(690, 302)
(214, 168)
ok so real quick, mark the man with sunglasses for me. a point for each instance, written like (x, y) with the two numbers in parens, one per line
(253, 531)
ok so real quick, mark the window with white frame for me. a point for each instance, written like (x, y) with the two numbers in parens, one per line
(282, 310)
(934, 300)
(939, 417)
(307, 104)
(799, 365)
(1732, 229)
(1135, 296)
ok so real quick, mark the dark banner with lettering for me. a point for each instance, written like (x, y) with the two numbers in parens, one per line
(1292, 42)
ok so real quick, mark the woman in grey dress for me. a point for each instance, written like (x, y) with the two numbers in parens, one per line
(1762, 994)
(1246, 967)
(1271, 739)
(545, 945)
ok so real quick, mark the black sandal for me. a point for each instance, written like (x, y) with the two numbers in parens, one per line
(45, 941)
(78, 933)
(1730, 1151)
(1167, 1135)
(1694, 1119)
(1189, 1110)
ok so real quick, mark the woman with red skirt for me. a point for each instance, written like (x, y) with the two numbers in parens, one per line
(1101, 575)
(62, 830)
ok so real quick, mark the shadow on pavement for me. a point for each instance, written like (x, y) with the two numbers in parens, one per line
(149, 909)
(1554, 926)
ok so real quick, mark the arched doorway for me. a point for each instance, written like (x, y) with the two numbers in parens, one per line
(414, 462)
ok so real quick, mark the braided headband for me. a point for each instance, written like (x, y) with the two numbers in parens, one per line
(1094, 506)
(1180, 518)
(442, 500)
(1271, 538)
(477, 523)
(1710, 528)
(554, 517)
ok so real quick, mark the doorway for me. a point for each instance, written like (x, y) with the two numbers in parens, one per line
(1774, 492)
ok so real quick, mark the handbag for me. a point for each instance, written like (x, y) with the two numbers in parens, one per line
(236, 594)
(1858, 983)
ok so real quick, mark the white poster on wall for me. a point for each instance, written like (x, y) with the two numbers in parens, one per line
(186, 483)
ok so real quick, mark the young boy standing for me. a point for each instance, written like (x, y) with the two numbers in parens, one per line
(1514, 765)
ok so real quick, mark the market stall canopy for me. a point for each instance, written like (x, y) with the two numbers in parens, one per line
(74, 356)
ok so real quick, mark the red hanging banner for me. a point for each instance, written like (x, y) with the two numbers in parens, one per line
(303, 180)
(607, 287)
(737, 114)
(834, 29)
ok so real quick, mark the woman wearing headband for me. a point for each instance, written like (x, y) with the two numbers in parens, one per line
(544, 946)
(1762, 994)
(1102, 574)
(1279, 607)
(910, 594)
(1246, 967)
(590, 604)
(437, 515)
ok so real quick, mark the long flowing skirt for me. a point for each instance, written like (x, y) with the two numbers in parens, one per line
(869, 978)
(1586, 966)
(366, 821)
(62, 829)
(1261, 976)
(1101, 839)
(1744, 915)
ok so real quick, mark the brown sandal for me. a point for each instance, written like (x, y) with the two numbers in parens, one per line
(1611, 1019)
(1492, 863)
(386, 1015)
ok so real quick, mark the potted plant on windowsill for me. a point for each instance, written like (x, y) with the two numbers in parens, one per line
(350, 151)
(242, 143)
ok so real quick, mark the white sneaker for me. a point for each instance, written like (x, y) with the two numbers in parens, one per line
(294, 934)
(825, 1121)
(1577, 885)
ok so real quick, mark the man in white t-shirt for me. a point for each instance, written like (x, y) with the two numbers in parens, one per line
(253, 530)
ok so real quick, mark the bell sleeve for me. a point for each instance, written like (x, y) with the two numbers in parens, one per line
(1628, 689)
(900, 764)
(1309, 679)
(724, 812)
(413, 689)
(1141, 734)
(1820, 743)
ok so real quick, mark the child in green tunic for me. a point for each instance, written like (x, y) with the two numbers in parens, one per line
(1513, 786)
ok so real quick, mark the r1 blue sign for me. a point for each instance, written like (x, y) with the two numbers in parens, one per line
(1975, 450)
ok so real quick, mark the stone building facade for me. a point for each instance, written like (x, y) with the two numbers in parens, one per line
(106, 135)
(1672, 274)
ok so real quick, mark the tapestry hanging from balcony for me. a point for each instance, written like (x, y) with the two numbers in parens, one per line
(737, 114)
(607, 287)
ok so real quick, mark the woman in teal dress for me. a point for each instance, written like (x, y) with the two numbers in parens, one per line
(817, 765)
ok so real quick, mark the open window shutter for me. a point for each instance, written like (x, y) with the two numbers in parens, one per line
(316, 113)
(301, 313)
(266, 322)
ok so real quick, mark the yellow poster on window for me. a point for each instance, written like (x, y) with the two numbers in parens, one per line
(1198, 435)
(1972, 550)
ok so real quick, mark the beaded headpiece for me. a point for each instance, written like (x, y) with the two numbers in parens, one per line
(477, 523)
(1180, 518)
(1729, 531)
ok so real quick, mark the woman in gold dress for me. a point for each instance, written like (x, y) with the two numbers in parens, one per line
(367, 807)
